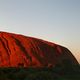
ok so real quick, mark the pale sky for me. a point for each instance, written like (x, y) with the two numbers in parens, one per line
(57, 21)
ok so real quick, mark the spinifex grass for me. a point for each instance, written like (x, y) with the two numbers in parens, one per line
(56, 73)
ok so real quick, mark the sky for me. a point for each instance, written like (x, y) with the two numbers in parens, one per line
(57, 21)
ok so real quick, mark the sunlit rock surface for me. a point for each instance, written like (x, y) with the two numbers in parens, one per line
(22, 51)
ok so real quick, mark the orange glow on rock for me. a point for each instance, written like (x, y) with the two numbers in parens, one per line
(19, 50)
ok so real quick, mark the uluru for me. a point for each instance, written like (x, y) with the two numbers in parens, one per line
(19, 50)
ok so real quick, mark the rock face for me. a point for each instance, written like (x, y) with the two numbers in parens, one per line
(18, 50)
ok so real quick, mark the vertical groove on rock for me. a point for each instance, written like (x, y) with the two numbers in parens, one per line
(22, 48)
(4, 46)
(6, 50)
(7, 45)
(35, 52)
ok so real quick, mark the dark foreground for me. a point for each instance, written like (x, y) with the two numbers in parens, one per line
(56, 73)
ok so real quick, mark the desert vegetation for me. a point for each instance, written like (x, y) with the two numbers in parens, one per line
(57, 73)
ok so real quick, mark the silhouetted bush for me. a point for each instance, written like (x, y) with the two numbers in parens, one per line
(57, 73)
